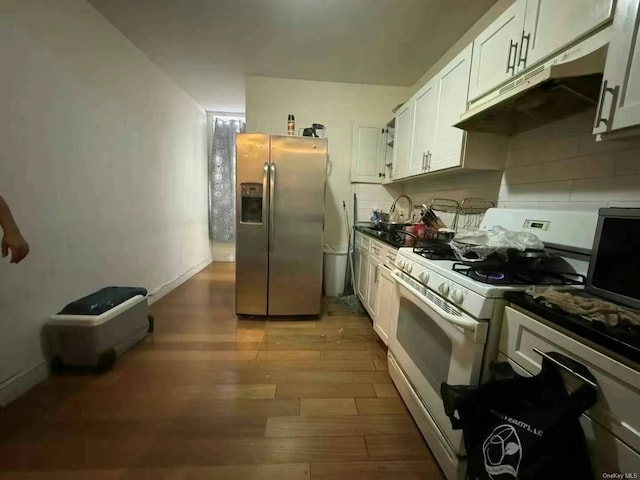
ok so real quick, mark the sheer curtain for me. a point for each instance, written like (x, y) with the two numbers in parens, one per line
(222, 178)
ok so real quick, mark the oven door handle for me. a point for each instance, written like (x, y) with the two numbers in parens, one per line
(462, 322)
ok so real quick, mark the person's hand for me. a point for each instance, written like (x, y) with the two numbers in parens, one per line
(14, 242)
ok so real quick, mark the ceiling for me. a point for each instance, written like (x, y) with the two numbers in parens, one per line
(207, 46)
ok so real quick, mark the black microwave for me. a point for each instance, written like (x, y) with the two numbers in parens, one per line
(614, 267)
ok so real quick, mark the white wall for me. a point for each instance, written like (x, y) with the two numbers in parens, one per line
(103, 161)
(335, 105)
(558, 165)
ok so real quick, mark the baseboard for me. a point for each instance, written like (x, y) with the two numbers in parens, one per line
(21, 382)
(161, 291)
(226, 258)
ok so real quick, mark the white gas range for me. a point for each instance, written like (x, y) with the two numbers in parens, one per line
(446, 324)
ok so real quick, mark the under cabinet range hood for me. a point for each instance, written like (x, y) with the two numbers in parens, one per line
(558, 88)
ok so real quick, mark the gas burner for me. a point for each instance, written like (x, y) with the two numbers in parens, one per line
(509, 274)
(490, 276)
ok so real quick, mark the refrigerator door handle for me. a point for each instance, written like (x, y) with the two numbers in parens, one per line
(265, 207)
(272, 207)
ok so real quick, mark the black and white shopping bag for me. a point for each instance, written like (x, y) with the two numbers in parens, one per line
(523, 428)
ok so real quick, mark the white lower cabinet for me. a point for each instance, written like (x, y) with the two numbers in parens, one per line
(372, 289)
(362, 269)
(375, 287)
(382, 321)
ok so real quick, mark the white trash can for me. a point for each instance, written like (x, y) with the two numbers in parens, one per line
(335, 269)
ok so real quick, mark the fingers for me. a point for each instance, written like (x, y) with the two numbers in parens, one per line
(18, 253)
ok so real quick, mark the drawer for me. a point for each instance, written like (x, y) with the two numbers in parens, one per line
(608, 453)
(363, 241)
(390, 255)
(619, 385)
(377, 250)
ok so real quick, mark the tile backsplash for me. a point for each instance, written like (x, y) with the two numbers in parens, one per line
(371, 196)
(556, 166)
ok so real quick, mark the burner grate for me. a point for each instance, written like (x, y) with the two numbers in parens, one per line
(517, 275)
(435, 251)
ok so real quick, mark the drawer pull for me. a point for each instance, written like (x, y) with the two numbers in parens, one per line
(570, 370)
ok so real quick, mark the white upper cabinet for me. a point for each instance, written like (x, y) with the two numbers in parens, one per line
(495, 51)
(550, 25)
(424, 128)
(452, 85)
(403, 140)
(367, 155)
(529, 32)
(619, 105)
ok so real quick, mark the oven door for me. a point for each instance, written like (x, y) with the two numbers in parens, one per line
(434, 342)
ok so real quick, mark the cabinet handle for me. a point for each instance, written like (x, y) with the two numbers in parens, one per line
(512, 46)
(424, 156)
(605, 89)
(381, 175)
(522, 59)
(375, 278)
(428, 161)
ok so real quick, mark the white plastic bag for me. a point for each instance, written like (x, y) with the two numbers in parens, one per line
(477, 245)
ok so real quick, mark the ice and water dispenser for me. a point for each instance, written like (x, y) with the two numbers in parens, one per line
(251, 205)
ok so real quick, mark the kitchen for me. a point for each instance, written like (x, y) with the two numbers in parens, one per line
(557, 165)
(553, 162)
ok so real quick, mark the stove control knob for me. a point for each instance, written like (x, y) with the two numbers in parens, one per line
(409, 267)
(398, 262)
(444, 288)
(456, 296)
(424, 277)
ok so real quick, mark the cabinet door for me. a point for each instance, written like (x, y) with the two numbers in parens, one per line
(382, 321)
(424, 127)
(367, 154)
(372, 293)
(619, 105)
(495, 51)
(453, 88)
(402, 141)
(363, 276)
(550, 25)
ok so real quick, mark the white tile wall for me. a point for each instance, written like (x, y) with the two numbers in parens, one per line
(371, 196)
(556, 166)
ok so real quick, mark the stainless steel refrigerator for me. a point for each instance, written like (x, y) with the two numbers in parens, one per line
(280, 186)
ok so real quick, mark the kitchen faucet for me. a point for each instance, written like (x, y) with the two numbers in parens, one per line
(410, 211)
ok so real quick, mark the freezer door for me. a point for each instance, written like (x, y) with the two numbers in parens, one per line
(297, 176)
(252, 202)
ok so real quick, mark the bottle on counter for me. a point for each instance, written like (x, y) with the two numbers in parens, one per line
(291, 125)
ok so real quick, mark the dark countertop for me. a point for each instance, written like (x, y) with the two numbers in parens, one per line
(623, 341)
(384, 237)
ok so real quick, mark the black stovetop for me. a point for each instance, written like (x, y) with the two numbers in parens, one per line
(504, 273)
(621, 339)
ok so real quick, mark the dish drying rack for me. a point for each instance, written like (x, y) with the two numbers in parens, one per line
(471, 212)
(463, 216)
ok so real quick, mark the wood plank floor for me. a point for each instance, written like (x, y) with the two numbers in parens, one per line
(210, 396)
